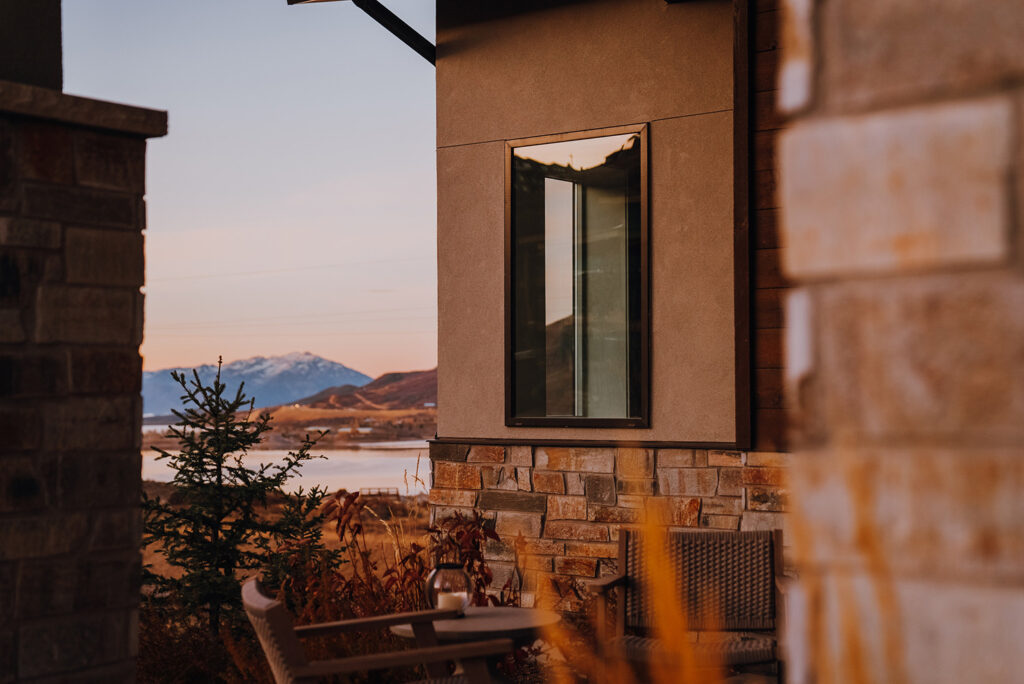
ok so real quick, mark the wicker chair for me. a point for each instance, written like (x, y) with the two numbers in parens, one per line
(730, 593)
(280, 641)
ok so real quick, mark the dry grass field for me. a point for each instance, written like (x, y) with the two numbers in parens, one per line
(405, 518)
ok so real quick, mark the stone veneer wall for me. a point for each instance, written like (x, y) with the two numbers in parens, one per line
(72, 175)
(902, 187)
(568, 503)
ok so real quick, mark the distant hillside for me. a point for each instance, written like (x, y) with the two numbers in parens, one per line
(272, 380)
(390, 391)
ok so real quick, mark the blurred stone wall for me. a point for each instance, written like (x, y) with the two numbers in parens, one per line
(72, 179)
(901, 192)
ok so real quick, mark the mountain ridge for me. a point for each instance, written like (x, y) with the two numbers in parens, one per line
(271, 380)
(395, 390)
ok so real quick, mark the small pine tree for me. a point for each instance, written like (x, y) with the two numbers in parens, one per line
(217, 526)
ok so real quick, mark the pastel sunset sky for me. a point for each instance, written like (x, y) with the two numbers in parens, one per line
(292, 205)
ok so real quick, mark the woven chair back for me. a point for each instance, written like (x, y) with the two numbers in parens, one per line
(726, 580)
(274, 628)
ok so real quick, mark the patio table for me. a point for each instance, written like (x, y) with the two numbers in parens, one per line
(522, 625)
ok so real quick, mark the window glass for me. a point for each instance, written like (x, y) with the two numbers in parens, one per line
(576, 290)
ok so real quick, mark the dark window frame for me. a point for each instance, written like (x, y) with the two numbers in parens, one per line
(643, 420)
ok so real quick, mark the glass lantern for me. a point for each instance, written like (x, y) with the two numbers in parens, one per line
(448, 587)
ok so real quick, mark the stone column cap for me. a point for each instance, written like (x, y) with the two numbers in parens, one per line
(44, 103)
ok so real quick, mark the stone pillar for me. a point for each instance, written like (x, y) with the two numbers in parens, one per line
(30, 42)
(901, 194)
(72, 174)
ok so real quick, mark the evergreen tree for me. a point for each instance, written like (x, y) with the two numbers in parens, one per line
(216, 527)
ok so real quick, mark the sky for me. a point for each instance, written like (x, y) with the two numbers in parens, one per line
(292, 205)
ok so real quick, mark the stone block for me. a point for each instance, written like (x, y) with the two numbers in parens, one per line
(513, 501)
(22, 429)
(677, 511)
(615, 514)
(21, 273)
(8, 172)
(28, 483)
(875, 52)
(567, 508)
(722, 506)
(445, 512)
(592, 549)
(499, 477)
(79, 206)
(919, 188)
(112, 162)
(520, 455)
(17, 232)
(634, 463)
(45, 152)
(644, 487)
(448, 452)
(945, 632)
(12, 330)
(764, 476)
(8, 592)
(542, 563)
(542, 547)
(105, 371)
(72, 643)
(486, 454)
(93, 256)
(40, 536)
(631, 501)
(688, 481)
(108, 581)
(523, 479)
(454, 475)
(760, 520)
(796, 71)
(453, 497)
(901, 366)
(92, 424)
(46, 587)
(551, 483)
(720, 522)
(33, 375)
(581, 567)
(676, 458)
(587, 460)
(574, 484)
(945, 513)
(511, 524)
(85, 315)
(730, 482)
(725, 458)
(600, 489)
(767, 498)
(576, 531)
(759, 459)
(495, 550)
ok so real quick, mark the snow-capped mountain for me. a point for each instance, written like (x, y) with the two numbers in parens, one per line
(272, 380)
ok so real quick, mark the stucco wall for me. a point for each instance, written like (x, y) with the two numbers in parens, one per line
(580, 67)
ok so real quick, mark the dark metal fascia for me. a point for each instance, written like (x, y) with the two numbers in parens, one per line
(389, 20)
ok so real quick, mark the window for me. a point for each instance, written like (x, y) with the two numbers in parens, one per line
(576, 280)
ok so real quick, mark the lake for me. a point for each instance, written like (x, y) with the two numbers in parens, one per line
(379, 464)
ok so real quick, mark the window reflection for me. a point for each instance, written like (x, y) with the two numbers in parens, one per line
(576, 278)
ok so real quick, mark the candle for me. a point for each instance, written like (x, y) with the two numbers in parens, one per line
(452, 600)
